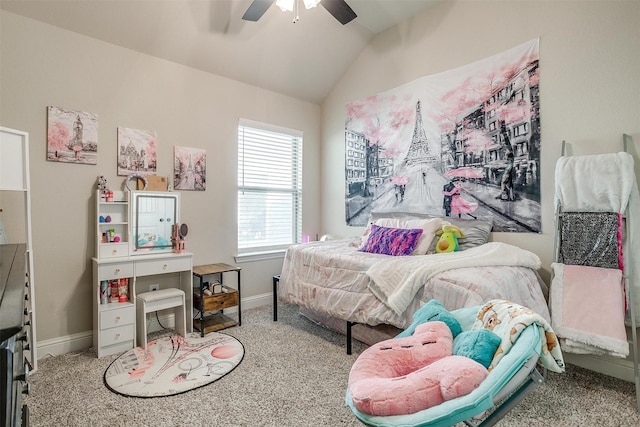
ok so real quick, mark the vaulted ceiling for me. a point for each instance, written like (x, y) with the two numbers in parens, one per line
(303, 60)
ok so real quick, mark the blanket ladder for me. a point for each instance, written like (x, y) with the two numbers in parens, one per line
(628, 285)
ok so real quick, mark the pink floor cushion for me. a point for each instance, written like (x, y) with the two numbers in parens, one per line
(406, 375)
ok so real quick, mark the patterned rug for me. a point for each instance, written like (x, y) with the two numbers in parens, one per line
(173, 365)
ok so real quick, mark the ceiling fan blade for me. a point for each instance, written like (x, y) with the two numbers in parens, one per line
(257, 9)
(340, 10)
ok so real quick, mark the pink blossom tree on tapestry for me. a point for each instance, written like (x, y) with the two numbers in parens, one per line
(381, 119)
(477, 91)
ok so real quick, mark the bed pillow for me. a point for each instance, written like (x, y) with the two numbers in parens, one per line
(476, 231)
(428, 226)
(479, 345)
(392, 241)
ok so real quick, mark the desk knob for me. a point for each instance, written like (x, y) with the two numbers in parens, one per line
(117, 270)
(164, 267)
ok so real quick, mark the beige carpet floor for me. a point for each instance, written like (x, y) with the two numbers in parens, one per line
(294, 373)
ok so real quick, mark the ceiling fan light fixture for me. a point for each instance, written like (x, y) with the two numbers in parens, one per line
(308, 4)
(285, 5)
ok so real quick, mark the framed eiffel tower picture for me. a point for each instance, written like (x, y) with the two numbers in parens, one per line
(464, 143)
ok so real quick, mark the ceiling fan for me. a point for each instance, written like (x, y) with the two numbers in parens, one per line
(338, 8)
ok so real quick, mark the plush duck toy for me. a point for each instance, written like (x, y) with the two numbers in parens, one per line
(449, 235)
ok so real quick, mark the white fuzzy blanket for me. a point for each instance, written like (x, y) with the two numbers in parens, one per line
(604, 183)
(395, 281)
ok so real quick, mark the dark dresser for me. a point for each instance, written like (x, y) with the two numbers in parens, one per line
(14, 337)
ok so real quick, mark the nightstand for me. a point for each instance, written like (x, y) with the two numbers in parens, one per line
(211, 307)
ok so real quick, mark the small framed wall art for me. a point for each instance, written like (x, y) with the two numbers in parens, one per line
(189, 169)
(136, 152)
(72, 136)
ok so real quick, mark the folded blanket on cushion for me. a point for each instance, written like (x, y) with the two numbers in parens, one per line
(507, 320)
(587, 310)
(395, 281)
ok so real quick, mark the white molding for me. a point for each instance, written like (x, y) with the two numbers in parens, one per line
(84, 340)
(259, 256)
(617, 368)
(65, 344)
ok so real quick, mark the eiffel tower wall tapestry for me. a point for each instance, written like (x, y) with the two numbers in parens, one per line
(462, 143)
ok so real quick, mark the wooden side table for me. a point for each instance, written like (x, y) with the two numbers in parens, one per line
(228, 298)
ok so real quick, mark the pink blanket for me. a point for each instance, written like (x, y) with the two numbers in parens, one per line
(587, 310)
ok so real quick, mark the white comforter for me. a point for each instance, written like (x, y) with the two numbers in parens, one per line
(331, 278)
(396, 280)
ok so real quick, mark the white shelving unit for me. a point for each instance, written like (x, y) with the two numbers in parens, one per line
(114, 321)
(112, 218)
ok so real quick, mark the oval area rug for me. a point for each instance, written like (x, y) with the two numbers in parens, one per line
(173, 365)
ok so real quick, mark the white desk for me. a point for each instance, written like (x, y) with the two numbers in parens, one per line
(114, 323)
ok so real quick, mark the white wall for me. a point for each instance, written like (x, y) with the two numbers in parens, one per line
(589, 82)
(42, 66)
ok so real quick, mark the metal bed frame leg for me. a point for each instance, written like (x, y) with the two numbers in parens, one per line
(349, 325)
(276, 280)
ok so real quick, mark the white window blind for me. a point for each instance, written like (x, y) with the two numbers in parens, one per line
(269, 187)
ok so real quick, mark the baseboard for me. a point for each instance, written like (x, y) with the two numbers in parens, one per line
(617, 368)
(84, 340)
(66, 344)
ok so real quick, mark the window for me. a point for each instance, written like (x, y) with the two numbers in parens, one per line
(269, 187)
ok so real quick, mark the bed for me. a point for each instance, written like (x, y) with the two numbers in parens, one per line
(336, 278)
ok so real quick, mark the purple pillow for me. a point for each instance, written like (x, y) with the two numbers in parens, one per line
(392, 241)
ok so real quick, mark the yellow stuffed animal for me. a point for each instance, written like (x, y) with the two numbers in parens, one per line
(449, 235)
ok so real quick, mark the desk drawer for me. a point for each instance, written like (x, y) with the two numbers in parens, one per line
(217, 301)
(114, 250)
(116, 270)
(119, 317)
(150, 267)
(117, 335)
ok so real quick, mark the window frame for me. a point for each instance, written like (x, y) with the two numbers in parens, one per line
(257, 252)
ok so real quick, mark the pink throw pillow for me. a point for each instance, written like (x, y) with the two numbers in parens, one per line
(392, 241)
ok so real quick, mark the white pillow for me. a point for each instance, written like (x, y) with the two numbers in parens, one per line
(428, 226)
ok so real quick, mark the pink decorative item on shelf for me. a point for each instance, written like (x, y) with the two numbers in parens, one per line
(178, 233)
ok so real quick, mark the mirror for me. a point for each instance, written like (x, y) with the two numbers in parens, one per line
(153, 215)
(13, 217)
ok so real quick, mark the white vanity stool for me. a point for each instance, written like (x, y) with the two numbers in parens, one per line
(148, 302)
